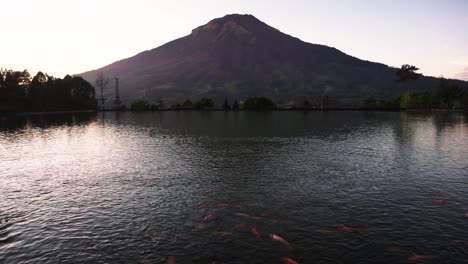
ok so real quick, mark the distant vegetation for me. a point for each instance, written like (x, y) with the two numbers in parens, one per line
(21, 93)
(259, 104)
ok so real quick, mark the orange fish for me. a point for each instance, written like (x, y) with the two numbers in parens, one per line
(442, 201)
(208, 218)
(241, 225)
(419, 258)
(242, 215)
(201, 227)
(279, 222)
(171, 260)
(254, 231)
(280, 239)
(349, 229)
(267, 214)
(223, 234)
(289, 261)
(326, 232)
(460, 242)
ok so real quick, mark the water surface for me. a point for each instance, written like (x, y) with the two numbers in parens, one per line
(135, 187)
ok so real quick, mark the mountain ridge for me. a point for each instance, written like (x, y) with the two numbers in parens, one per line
(238, 56)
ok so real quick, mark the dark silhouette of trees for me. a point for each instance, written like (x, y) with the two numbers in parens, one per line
(19, 93)
(235, 106)
(407, 72)
(259, 104)
(325, 101)
(447, 95)
(204, 103)
(370, 103)
(187, 104)
(416, 100)
(226, 106)
(13, 90)
(140, 105)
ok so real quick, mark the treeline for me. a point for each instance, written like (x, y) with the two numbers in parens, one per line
(250, 104)
(19, 92)
(447, 96)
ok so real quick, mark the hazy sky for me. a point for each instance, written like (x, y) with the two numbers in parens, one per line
(73, 36)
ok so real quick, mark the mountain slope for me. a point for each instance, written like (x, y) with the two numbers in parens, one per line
(238, 56)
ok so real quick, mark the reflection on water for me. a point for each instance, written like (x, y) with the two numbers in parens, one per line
(215, 187)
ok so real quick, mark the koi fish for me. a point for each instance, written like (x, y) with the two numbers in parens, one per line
(201, 227)
(241, 225)
(418, 258)
(349, 229)
(441, 201)
(204, 206)
(289, 261)
(171, 260)
(267, 214)
(460, 242)
(326, 232)
(224, 234)
(242, 215)
(254, 231)
(279, 222)
(280, 239)
(208, 218)
(225, 205)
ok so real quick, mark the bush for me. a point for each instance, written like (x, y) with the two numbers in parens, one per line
(140, 105)
(259, 104)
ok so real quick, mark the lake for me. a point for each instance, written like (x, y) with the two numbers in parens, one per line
(215, 187)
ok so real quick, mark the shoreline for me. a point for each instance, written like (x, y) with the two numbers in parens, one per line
(227, 111)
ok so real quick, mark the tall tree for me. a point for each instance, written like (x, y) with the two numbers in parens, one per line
(235, 105)
(407, 72)
(101, 83)
(226, 106)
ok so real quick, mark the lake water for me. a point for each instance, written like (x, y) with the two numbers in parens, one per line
(213, 187)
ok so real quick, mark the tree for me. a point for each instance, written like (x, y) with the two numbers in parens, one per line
(101, 83)
(407, 72)
(13, 90)
(259, 104)
(204, 103)
(37, 91)
(416, 100)
(325, 101)
(465, 99)
(226, 106)
(370, 103)
(235, 105)
(187, 104)
(140, 105)
(447, 94)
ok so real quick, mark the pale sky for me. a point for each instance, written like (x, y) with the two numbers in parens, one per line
(74, 36)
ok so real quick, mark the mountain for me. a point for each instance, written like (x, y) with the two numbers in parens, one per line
(239, 56)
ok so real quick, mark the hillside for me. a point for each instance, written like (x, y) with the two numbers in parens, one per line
(239, 56)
